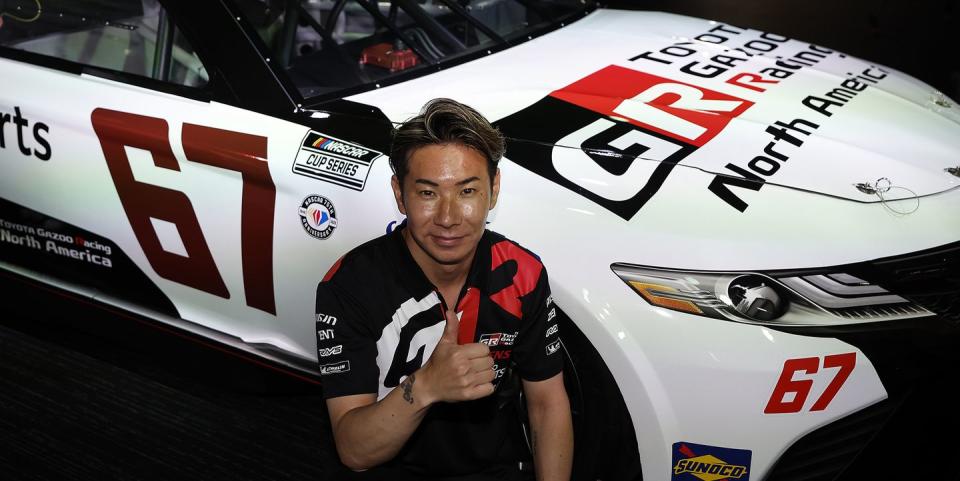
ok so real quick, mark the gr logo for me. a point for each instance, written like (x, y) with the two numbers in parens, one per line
(615, 135)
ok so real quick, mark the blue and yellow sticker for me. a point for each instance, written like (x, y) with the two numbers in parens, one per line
(699, 462)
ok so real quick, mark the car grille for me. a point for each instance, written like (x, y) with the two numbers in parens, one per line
(930, 278)
(824, 453)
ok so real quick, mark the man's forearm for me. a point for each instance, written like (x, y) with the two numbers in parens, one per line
(371, 435)
(552, 435)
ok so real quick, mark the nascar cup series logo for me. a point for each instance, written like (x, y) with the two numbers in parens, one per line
(335, 161)
(318, 217)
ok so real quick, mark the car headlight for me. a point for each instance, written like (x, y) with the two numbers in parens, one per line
(786, 298)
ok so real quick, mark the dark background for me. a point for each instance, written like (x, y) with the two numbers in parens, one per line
(921, 38)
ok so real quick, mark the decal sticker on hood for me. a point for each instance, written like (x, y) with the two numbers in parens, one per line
(333, 160)
(631, 128)
(615, 135)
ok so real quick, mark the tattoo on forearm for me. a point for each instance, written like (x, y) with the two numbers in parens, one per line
(407, 386)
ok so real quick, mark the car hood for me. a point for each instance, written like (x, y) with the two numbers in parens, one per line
(720, 94)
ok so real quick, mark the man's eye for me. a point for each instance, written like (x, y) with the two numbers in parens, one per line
(469, 191)
(427, 193)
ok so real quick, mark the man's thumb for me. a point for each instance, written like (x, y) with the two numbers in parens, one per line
(451, 329)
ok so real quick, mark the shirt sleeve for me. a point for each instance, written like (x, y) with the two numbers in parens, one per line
(346, 350)
(537, 349)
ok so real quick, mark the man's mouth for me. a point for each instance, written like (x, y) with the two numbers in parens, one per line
(447, 241)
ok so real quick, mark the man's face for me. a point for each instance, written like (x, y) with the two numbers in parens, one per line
(446, 196)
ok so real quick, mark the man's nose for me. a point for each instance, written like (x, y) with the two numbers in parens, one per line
(449, 213)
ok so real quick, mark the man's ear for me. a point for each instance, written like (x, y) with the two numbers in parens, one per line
(495, 192)
(398, 194)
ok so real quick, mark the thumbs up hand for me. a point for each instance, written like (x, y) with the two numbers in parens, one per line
(452, 328)
(457, 372)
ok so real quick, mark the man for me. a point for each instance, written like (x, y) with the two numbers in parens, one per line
(417, 330)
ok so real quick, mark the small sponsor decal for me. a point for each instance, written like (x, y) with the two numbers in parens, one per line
(549, 300)
(326, 319)
(334, 368)
(335, 161)
(318, 216)
(497, 339)
(553, 347)
(330, 351)
(325, 334)
(551, 330)
(551, 314)
(709, 463)
(500, 371)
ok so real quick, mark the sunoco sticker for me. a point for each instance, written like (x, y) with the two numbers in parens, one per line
(700, 462)
(333, 160)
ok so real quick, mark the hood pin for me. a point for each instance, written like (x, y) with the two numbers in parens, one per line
(874, 188)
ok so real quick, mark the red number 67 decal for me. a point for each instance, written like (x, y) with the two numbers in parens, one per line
(800, 388)
(142, 202)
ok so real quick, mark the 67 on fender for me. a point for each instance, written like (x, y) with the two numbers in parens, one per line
(148, 206)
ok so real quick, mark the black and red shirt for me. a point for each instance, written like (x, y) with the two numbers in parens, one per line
(379, 319)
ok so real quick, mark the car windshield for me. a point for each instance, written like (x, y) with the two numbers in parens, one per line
(330, 46)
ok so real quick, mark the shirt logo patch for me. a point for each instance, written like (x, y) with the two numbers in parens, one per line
(325, 334)
(497, 339)
(501, 355)
(334, 368)
(553, 347)
(326, 319)
(551, 330)
(324, 352)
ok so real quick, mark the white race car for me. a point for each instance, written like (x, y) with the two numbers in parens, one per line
(734, 221)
